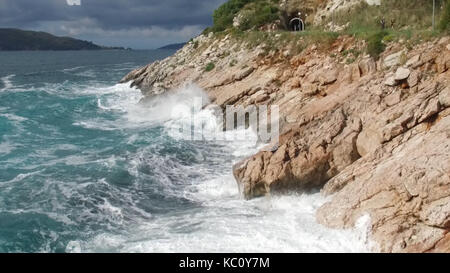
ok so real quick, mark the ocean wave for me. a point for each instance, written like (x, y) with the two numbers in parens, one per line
(73, 69)
(122, 97)
(7, 83)
(97, 125)
(279, 224)
(13, 117)
(19, 178)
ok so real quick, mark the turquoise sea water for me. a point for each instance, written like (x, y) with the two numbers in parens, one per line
(84, 167)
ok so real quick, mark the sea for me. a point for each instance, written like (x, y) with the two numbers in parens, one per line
(85, 166)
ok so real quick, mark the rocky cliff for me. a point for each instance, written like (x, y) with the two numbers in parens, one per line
(372, 133)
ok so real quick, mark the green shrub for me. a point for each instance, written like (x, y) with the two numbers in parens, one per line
(195, 44)
(375, 45)
(224, 15)
(256, 13)
(210, 67)
(388, 38)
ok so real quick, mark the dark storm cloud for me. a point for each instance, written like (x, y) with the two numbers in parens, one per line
(103, 19)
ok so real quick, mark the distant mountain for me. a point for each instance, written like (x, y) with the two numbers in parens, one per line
(16, 39)
(173, 46)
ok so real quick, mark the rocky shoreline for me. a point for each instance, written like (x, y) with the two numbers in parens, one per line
(374, 134)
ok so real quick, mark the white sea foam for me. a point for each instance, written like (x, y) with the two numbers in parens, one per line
(13, 117)
(228, 224)
(6, 148)
(7, 83)
(18, 178)
(224, 222)
(121, 97)
(72, 69)
(159, 109)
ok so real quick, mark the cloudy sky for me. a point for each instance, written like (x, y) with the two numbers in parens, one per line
(139, 24)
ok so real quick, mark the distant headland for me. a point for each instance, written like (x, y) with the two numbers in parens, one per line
(173, 46)
(17, 39)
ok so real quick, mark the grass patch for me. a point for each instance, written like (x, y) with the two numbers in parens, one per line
(274, 41)
(398, 14)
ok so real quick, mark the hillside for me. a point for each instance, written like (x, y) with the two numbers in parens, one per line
(323, 14)
(173, 46)
(364, 109)
(16, 39)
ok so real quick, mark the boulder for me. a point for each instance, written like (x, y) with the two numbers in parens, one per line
(402, 74)
(392, 60)
(262, 98)
(444, 97)
(431, 109)
(393, 98)
(243, 73)
(443, 62)
(310, 89)
(413, 61)
(414, 79)
(390, 81)
(328, 77)
(368, 141)
(366, 66)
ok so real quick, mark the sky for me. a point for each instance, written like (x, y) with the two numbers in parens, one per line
(139, 24)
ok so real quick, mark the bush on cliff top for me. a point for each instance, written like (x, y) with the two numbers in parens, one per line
(258, 13)
(224, 15)
(375, 45)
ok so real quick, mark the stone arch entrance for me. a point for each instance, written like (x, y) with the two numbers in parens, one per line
(296, 24)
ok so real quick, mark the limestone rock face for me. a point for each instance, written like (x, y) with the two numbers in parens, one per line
(406, 191)
(306, 159)
(373, 135)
